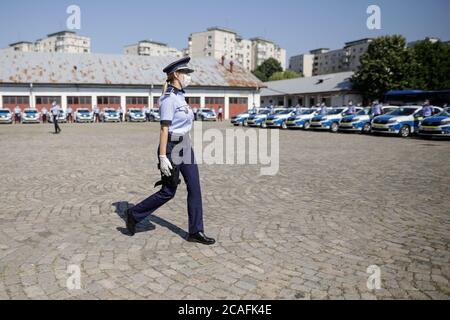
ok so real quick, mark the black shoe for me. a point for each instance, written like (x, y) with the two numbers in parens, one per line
(201, 238)
(130, 222)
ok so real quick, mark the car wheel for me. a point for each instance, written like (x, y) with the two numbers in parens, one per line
(334, 127)
(366, 128)
(307, 125)
(405, 131)
(284, 125)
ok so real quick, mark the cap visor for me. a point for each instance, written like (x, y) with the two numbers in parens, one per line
(185, 70)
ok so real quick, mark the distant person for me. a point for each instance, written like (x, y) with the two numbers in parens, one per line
(195, 111)
(17, 114)
(96, 114)
(351, 108)
(220, 114)
(44, 113)
(376, 109)
(323, 108)
(69, 117)
(55, 111)
(120, 111)
(147, 113)
(427, 109)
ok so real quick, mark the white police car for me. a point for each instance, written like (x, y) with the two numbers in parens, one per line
(241, 119)
(301, 119)
(135, 115)
(436, 126)
(279, 119)
(31, 116)
(110, 115)
(154, 115)
(206, 114)
(259, 119)
(331, 119)
(6, 116)
(403, 121)
(362, 120)
(84, 115)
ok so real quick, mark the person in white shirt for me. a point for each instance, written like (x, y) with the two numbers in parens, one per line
(96, 114)
(220, 117)
(69, 117)
(55, 110)
(44, 112)
(17, 114)
(147, 113)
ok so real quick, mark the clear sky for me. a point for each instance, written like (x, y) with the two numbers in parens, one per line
(296, 25)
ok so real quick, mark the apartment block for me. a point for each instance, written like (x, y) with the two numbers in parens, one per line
(153, 49)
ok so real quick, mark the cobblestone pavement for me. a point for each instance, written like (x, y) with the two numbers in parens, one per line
(339, 204)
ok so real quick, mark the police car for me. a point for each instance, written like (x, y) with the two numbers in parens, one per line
(206, 114)
(135, 115)
(331, 119)
(31, 116)
(301, 119)
(438, 125)
(279, 119)
(241, 119)
(110, 115)
(258, 119)
(154, 115)
(84, 115)
(362, 120)
(6, 116)
(403, 121)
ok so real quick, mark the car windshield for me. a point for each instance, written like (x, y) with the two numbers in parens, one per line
(4, 112)
(306, 112)
(31, 111)
(335, 111)
(264, 112)
(135, 110)
(110, 111)
(403, 112)
(445, 113)
(83, 111)
(388, 110)
(362, 112)
(283, 112)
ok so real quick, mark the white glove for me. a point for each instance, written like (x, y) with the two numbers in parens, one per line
(165, 166)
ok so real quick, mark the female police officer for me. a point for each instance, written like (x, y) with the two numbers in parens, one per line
(176, 123)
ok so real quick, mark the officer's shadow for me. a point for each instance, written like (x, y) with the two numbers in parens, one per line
(146, 225)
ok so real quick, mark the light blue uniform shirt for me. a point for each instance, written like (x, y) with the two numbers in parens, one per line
(176, 112)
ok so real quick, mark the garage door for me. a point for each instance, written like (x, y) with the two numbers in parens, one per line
(10, 102)
(79, 102)
(46, 101)
(137, 102)
(193, 102)
(215, 103)
(108, 102)
(237, 106)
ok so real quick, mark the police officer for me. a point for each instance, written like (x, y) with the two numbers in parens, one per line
(220, 117)
(120, 113)
(17, 114)
(147, 113)
(96, 114)
(351, 108)
(176, 122)
(44, 112)
(376, 109)
(427, 110)
(55, 110)
(323, 108)
(69, 117)
(195, 110)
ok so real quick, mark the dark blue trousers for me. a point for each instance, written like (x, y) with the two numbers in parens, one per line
(189, 171)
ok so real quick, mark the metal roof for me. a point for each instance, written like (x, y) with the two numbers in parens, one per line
(323, 83)
(103, 69)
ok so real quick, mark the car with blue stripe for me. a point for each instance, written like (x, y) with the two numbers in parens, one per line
(258, 120)
(403, 121)
(6, 116)
(110, 115)
(331, 119)
(84, 115)
(31, 116)
(362, 120)
(436, 126)
(302, 118)
(279, 118)
(135, 115)
(241, 119)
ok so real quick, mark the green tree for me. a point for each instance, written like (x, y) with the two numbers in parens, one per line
(433, 65)
(267, 69)
(387, 65)
(285, 75)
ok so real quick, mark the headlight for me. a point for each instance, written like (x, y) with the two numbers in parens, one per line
(392, 121)
(445, 121)
(356, 119)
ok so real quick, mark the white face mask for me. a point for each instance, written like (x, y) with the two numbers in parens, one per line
(186, 80)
